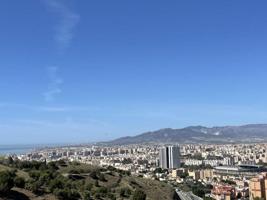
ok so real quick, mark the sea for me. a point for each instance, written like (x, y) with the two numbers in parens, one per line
(14, 149)
(22, 148)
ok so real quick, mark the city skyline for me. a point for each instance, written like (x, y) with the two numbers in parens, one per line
(94, 71)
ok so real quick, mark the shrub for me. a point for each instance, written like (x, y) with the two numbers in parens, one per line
(88, 186)
(56, 183)
(34, 174)
(102, 190)
(125, 192)
(139, 195)
(6, 181)
(96, 183)
(19, 182)
(66, 194)
(102, 178)
(93, 175)
(111, 196)
(74, 171)
(87, 196)
(97, 196)
(33, 186)
(52, 166)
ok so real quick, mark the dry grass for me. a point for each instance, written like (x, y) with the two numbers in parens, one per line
(81, 167)
(20, 173)
(3, 168)
(32, 196)
(155, 190)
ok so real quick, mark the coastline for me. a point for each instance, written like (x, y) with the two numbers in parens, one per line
(16, 149)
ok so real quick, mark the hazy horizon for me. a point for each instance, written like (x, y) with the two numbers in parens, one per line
(78, 72)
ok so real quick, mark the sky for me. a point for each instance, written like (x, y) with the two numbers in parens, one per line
(85, 71)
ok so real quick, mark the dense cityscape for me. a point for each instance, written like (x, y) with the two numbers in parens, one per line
(229, 171)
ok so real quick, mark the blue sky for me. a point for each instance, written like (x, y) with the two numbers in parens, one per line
(82, 71)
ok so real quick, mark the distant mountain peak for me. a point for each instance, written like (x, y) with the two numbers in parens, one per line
(193, 134)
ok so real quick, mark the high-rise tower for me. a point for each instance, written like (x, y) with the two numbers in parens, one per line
(169, 157)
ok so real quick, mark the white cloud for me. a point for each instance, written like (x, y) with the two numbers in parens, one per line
(67, 22)
(54, 84)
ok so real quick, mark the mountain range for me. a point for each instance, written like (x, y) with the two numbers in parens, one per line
(200, 134)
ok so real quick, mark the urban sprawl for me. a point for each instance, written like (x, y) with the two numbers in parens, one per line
(232, 171)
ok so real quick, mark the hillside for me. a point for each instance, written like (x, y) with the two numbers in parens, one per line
(196, 134)
(71, 181)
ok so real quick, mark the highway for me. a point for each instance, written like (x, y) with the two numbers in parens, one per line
(187, 195)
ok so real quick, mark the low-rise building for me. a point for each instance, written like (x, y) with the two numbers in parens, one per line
(223, 192)
(258, 187)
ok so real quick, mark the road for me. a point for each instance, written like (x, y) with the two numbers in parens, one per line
(187, 195)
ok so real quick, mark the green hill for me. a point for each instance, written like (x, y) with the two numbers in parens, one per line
(70, 181)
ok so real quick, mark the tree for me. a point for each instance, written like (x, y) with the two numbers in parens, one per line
(125, 192)
(182, 174)
(56, 183)
(198, 191)
(34, 186)
(111, 196)
(52, 166)
(87, 196)
(34, 174)
(102, 178)
(74, 194)
(67, 194)
(10, 161)
(93, 175)
(139, 195)
(88, 186)
(97, 196)
(19, 182)
(102, 190)
(110, 168)
(158, 171)
(96, 183)
(6, 181)
(61, 194)
(61, 162)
